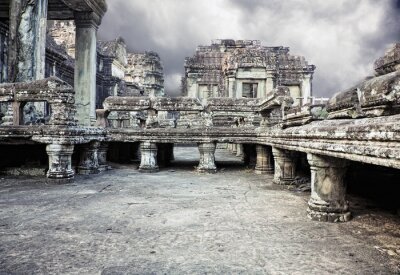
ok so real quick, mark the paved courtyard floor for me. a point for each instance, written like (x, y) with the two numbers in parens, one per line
(180, 222)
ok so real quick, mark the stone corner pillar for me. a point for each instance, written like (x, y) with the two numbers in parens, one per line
(60, 162)
(328, 189)
(85, 66)
(264, 164)
(27, 40)
(89, 159)
(148, 160)
(285, 166)
(207, 157)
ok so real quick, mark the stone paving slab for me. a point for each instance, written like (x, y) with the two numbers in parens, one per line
(175, 222)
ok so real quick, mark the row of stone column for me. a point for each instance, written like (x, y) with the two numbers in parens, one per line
(328, 188)
(150, 158)
(92, 159)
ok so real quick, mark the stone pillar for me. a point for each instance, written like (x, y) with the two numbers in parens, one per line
(102, 156)
(328, 189)
(207, 157)
(306, 92)
(27, 40)
(285, 166)
(60, 161)
(234, 148)
(85, 66)
(264, 162)
(239, 150)
(148, 162)
(89, 159)
(269, 82)
(231, 87)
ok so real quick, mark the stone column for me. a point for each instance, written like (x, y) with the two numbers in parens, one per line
(148, 162)
(306, 88)
(85, 66)
(207, 158)
(231, 87)
(328, 189)
(239, 150)
(285, 166)
(89, 159)
(102, 156)
(27, 40)
(264, 163)
(234, 148)
(269, 82)
(60, 167)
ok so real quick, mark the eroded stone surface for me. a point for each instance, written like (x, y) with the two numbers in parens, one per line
(179, 221)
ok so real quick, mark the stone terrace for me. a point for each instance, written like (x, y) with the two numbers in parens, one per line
(179, 221)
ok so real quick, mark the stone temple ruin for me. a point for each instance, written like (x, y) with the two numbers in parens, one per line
(236, 92)
(245, 68)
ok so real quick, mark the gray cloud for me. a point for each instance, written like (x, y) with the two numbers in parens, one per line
(341, 37)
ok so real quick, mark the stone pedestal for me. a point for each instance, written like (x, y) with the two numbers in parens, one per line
(285, 166)
(102, 156)
(264, 162)
(148, 160)
(207, 158)
(328, 189)
(89, 159)
(60, 161)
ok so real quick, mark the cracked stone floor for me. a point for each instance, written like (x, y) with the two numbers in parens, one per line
(180, 222)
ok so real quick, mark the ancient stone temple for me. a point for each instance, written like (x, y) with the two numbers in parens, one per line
(248, 98)
(245, 68)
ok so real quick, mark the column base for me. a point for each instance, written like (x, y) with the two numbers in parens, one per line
(103, 168)
(88, 171)
(327, 216)
(283, 181)
(149, 169)
(60, 180)
(207, 170)
(261, 171)
(61, 175)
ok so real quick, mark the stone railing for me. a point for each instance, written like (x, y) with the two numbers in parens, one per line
(184, 112)
(52, 91)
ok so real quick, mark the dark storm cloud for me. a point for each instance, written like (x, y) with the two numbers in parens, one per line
(341, 37)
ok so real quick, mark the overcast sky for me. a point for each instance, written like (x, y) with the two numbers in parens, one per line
(341, 37)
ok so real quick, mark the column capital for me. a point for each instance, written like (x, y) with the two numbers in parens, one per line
(87, 20)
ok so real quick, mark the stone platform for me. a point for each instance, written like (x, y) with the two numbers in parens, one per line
(181, 221)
